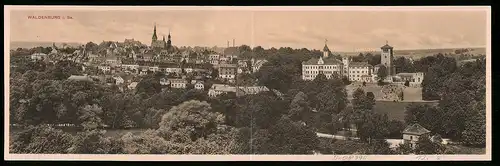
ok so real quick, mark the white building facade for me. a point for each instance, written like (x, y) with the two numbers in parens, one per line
(218, 89)
(327, 65)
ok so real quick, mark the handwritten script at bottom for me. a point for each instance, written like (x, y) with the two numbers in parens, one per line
(428, 157)
(349, 157)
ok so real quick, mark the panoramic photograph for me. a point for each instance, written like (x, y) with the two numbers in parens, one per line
(247, 82)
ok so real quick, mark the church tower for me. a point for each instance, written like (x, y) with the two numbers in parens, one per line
(154, 38)
(169, 41)
(326, 51)
(387, 58)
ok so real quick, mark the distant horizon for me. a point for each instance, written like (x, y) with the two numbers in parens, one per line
(333, 50)
(344, 30)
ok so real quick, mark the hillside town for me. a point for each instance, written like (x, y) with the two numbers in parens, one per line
(121, 64)
(243, 100)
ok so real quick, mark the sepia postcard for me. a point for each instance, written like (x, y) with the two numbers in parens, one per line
(247, 83)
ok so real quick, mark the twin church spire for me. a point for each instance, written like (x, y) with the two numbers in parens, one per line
(162, 43)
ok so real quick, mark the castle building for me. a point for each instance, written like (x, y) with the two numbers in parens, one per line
(326, 64)
(329, 66)
(360, 71)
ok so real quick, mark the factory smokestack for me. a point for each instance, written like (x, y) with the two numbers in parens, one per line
(233, 42)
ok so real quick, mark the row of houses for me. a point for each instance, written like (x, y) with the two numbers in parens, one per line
(143, 69)
(219, 89)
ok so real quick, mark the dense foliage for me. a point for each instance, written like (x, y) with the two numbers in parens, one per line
(461, 112)
(187, 121)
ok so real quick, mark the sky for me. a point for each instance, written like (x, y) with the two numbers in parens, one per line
(343, 30)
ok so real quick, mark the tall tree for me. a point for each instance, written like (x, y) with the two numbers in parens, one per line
(382, 72)
(194, 116)
(90, 117)
(299, 108)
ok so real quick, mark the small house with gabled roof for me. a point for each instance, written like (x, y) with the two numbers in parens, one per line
(413, 132)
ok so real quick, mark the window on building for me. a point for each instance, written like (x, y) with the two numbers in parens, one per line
(411, 137)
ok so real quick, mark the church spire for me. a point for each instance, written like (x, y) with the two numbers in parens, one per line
(154, 33)
(326, 49)
(169, 41)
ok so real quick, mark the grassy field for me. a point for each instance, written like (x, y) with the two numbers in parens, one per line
(394, 110)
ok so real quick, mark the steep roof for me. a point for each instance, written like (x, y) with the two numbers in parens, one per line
(326, 48)
(80, 78)
(39, 54)
(405, 74)
(133, 84)
(416, 129)
(223, 87)
(326, 61)
(251, 90)
(177, 80)
(359, 64)
(386, 46)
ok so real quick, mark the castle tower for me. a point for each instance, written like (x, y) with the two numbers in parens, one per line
(326, 51)
(387, 58)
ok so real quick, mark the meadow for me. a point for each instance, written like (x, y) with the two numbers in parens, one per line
(395, 110)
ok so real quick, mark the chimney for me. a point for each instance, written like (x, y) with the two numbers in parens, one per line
(228, 43)
(233, 42)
